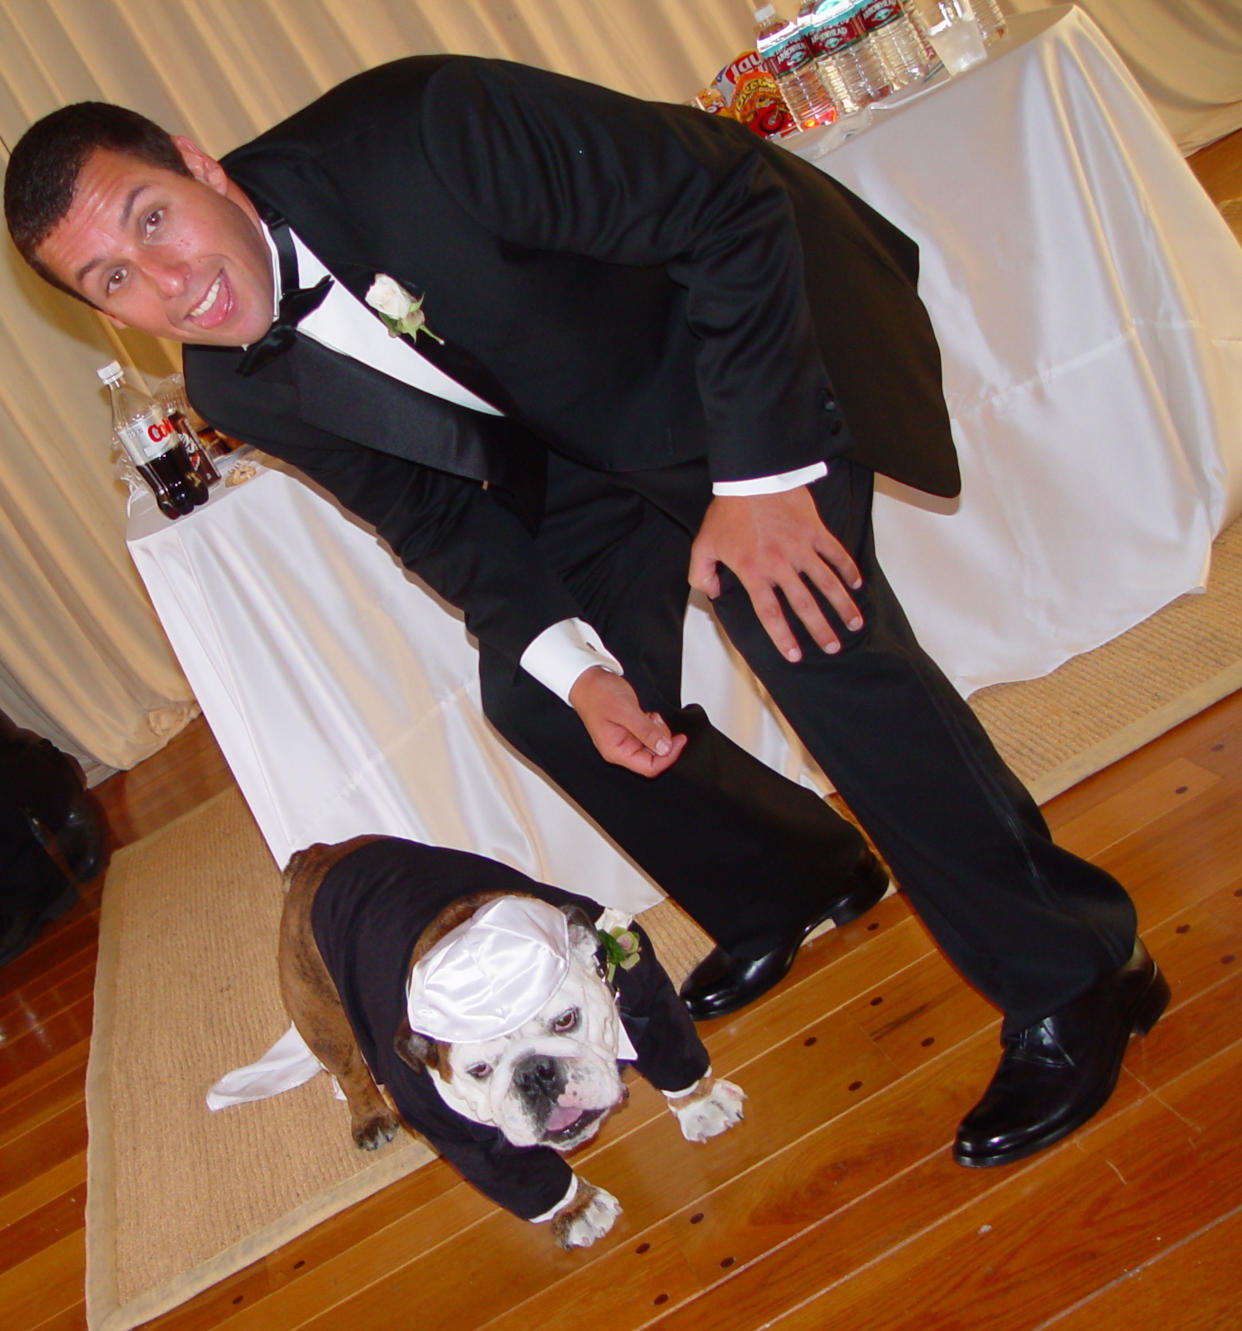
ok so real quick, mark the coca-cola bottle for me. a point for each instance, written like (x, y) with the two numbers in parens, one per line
(152, 443)
(170, 394)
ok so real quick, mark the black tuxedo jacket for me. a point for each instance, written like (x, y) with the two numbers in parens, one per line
(634, 285)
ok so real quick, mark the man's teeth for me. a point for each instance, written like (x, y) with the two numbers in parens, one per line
(208, 300)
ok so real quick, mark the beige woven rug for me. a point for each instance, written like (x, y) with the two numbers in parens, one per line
(1100, 706)
(186, 989)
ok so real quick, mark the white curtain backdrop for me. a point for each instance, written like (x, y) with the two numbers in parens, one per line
(82, 658)
(1185, 54)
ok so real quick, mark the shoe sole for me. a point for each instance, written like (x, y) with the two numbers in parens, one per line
(1148, 1009)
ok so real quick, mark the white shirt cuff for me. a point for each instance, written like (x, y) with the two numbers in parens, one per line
(770, 485)
(562, 652)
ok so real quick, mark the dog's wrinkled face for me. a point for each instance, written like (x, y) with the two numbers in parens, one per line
(552, 1081)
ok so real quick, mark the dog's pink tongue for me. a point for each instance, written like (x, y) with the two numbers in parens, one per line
(562, 1117)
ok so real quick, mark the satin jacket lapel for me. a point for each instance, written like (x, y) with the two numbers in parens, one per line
(447, 356)
(337, 393)
(342, 395)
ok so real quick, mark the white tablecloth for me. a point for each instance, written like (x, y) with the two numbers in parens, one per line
(1089, 304)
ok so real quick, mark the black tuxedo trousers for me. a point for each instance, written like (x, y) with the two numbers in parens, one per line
(751, 855)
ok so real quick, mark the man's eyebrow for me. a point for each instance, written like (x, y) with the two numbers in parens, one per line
(127, 209)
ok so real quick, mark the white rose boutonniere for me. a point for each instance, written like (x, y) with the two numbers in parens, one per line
(399, 310)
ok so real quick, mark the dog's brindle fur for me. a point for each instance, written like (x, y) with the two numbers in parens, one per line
(315, 1008)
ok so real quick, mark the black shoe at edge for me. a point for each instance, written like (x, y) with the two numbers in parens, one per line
(1055, 1074)
(721, 983)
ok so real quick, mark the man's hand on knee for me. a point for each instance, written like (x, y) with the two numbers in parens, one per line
(776, 542)
(619, 728)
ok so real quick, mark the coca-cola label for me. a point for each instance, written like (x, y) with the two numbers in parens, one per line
(876, 13)
(147, 437)
(788, 56)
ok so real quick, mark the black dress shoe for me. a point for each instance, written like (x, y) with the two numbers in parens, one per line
(1054, 1075)
(722, 983)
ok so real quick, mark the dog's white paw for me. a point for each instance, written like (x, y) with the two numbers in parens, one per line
(709, 1114)
(588, 1217)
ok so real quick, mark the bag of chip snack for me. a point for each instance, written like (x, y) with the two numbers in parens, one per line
(745, 91)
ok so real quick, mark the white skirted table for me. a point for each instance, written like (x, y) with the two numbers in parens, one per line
(1087, 297)
(1088, 301)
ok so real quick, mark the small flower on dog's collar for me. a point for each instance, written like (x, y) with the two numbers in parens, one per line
(621, 950)
(399, 310)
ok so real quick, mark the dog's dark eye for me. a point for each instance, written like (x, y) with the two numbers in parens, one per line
(566, 1022)
(479, 1071)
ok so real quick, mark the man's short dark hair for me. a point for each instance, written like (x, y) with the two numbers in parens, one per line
(43, 170)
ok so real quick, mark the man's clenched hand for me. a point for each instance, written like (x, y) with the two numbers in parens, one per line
(619, 728)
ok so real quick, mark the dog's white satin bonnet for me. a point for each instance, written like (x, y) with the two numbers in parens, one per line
(491, 974)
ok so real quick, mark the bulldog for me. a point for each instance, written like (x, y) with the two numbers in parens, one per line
(495, 1012)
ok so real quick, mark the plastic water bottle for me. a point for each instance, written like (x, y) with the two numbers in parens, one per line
(895, 41)
(152, 443)
(786, 55)
(868, 56)
(918, 21)
(990, 18)
(848, 66)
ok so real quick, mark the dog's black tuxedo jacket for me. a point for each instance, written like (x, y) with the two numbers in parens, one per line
(367, 915)
(635, 285)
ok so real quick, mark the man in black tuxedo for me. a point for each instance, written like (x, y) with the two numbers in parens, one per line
(650, 342)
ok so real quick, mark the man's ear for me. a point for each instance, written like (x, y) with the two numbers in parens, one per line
(200, 166)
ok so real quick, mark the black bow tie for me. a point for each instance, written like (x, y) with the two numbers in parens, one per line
(295, 304)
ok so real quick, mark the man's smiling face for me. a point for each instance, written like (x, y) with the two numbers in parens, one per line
(175, 256)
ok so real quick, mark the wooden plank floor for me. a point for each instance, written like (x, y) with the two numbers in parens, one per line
(836, 1203)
